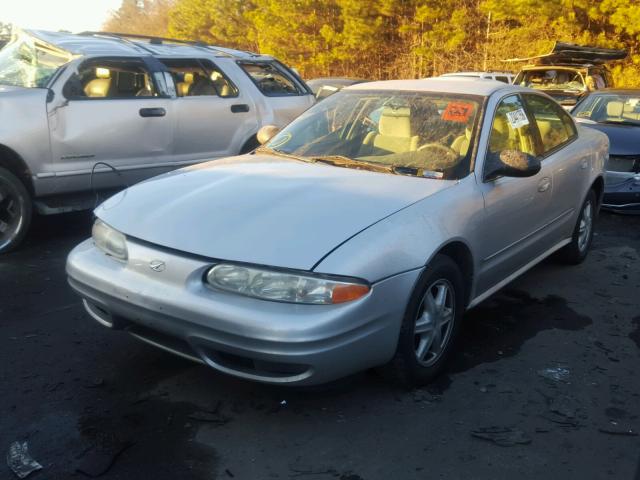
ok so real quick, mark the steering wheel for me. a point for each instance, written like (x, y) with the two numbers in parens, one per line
(439, 146)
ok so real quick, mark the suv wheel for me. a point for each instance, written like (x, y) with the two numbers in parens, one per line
(431, 323)
(15, 211)
(576, 251)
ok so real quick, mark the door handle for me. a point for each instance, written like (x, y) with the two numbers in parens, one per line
(239, 108)
(544, 184)
(152, 112)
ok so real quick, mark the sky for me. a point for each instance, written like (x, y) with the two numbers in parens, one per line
(72, 15)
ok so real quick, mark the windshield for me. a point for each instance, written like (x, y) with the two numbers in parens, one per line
(610, 108)
(25, 62)
(414, 133)
(551, 79)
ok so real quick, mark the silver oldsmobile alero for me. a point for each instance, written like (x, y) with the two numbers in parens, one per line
(356, 237)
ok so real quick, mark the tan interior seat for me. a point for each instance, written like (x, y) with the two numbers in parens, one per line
(614, 110)
(99, 86)
(394, 132)
(500, 135)
(184, 86)
(461, 144)
(630, 112)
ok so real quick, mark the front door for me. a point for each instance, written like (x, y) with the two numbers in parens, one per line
(516, 209)
(109, 111)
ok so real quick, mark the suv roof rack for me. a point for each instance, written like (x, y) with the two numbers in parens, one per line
(153, 40)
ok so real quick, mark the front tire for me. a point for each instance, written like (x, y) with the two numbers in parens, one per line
(15, 211)
(576, 251)
(430, 325)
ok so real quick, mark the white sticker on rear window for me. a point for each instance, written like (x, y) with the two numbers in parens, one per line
(517, 118)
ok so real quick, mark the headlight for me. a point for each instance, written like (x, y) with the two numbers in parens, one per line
(285, 286)
(110, 241)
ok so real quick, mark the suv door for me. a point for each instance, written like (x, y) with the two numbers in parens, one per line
(565, 160)
(286, 95)
(517, 209)
(214, 118)
(112, 110)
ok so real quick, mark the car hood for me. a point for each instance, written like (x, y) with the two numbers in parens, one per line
(623, 139)
(261, 209)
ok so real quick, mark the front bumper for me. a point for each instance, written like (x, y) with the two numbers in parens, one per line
(622, 193)
(258, 340)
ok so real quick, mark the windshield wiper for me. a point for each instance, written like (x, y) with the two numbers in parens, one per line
(342, 161)
(280, 153)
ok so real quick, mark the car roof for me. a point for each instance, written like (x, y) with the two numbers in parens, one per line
(103, 43)
(455, 74)
(441, 85)
(557, 67)
(617, 91)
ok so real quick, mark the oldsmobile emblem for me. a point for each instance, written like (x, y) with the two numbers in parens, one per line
(157, 265)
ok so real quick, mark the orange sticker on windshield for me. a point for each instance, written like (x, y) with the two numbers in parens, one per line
(458, 112)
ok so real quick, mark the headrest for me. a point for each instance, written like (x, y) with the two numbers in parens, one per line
(395, 122)
(544, 126)
(188, 77)
(102, 72)
(614, 109)
(97, 88)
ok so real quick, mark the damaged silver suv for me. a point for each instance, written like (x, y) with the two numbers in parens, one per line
(82, 115)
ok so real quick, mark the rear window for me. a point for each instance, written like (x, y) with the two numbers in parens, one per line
(270, 80)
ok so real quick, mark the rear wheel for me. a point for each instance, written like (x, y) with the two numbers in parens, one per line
(431, 324)
(576, 251)
(15, 211)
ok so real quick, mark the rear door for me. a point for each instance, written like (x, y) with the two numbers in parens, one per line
(285, 94)
(517, 210)
(114, 111)
(565, 159)
(214, 118)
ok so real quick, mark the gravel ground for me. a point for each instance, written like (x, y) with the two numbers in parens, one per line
(544, 385)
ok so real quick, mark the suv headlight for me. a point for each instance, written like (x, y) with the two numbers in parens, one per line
(283, 286)
(109, 240)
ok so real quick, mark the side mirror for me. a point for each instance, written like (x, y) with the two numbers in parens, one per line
(511, 163)
(266, 133)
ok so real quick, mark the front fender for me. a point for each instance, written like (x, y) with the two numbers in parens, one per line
(408, 239)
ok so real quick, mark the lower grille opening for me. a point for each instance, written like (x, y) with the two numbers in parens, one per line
(254, 366)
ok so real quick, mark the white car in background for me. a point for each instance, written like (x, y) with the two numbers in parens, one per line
(504, 77)
(96, 112)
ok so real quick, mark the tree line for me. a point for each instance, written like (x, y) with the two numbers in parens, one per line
(380, 39)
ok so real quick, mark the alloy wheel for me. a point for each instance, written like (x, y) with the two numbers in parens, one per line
(586, 224)
(10, 215)
(434, 322)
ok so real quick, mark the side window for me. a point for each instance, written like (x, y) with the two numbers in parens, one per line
(502, 79)
(554, 124)
(269, 79)
(199, 77)
(110, 79)
(511, 129)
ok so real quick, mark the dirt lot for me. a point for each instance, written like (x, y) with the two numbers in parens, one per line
(545, 385)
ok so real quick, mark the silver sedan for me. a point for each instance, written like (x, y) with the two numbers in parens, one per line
(355, 237)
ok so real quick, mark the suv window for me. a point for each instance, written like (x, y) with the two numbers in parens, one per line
(110, 79)
(511, 129)
(199, 77)
(554, 124)
(269, 79)
(502, 79)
